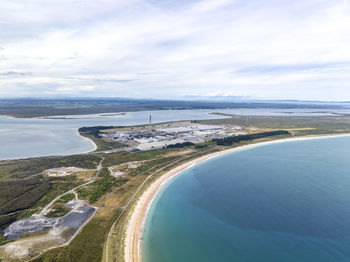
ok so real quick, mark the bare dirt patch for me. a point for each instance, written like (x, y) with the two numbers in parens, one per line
(63, 171)
(122, 170)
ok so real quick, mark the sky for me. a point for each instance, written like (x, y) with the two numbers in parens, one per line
(174, 49)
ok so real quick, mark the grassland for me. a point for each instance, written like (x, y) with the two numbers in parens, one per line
(88, 245)
(91, 239)
(26, 168)
(21, 204)
(58, 208)
(102, 144)
(297, 125)
(118, 201)
(24, 189)
(103, 184)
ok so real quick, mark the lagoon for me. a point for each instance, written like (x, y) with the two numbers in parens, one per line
(58, 135)
(35, 137)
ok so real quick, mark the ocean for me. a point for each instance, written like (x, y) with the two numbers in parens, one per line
(282, 202)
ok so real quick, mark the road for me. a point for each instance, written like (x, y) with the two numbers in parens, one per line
(132, 197)
(99, 167)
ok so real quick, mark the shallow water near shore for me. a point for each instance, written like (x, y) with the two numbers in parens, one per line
(286, 201)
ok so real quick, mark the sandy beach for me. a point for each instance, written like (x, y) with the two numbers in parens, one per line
(136, 221)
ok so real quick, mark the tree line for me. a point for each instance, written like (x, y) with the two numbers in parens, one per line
(228, 141)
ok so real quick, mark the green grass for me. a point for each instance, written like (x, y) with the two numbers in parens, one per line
(228, 141)
(2, 239)
(123, 157)
(22, 193)
(59, 207)
(66, 198)
(59, 186)
(102, 185)
(15, 195)
(203, 145)
(21, 169)
(149, 164)
(83, 192)
(298, 125)
(101, 143)
(19, 198)
(21, 204)
(88, 245)
(58, 210)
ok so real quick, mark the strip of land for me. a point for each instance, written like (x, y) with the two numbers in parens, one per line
(136, 221)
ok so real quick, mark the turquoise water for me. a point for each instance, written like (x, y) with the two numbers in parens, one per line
(285, 202)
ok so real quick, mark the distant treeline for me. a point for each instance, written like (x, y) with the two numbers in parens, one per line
(180, 145)
(29, 107)
(94, 130)
(227, 141)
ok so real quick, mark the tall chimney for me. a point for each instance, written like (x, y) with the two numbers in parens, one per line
(150, 122)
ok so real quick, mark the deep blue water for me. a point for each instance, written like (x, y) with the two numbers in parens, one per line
(276, 203)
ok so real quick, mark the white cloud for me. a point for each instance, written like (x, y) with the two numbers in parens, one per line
(210, 5)
(170, 49)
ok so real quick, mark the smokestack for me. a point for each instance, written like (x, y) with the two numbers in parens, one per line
(150, 122)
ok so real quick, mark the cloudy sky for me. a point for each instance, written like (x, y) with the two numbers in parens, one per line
(271, 49)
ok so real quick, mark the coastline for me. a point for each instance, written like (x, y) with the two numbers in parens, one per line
(59, 155)
(92, 142)
(137, 218)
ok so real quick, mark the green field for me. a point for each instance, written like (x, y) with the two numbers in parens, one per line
(297, 125)
(59, 208)
(93, 133)
(88, 245)
(24, 189)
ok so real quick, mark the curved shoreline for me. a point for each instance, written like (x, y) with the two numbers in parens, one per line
(137, 219)
(92, 141)
(59, 155)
